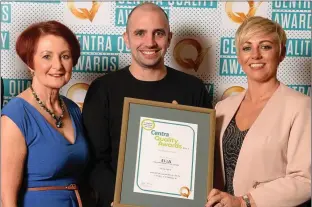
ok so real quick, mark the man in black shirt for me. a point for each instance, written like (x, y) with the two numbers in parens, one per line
(148, 36)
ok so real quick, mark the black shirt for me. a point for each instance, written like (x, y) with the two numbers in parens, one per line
(2, 91)
(102, 116)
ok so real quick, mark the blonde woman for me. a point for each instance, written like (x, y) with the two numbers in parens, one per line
(263, 133)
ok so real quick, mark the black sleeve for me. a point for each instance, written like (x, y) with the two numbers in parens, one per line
(95, 116)
(2, 90)
(205, 99)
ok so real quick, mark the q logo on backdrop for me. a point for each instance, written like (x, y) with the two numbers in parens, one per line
(84, 13)
(239, 17)
(232, 91)
(93, 12)
(77, 93)
(234, 13)
(181, 54)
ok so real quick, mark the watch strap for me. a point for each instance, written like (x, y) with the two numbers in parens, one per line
(247, 201)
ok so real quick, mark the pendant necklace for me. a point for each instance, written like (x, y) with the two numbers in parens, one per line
(58, 120)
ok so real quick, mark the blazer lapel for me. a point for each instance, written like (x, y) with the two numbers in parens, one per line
(259, 129)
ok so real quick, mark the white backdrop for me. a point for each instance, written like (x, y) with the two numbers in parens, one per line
(202, 45)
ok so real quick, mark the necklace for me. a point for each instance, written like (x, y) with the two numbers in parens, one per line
(59, 122)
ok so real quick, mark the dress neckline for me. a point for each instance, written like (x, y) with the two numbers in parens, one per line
(56, 131)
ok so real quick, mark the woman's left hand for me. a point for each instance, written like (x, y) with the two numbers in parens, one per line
(217, 198)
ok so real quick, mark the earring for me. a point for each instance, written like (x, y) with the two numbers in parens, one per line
(32, 72)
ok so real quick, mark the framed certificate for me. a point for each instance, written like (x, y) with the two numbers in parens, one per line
(165, 155)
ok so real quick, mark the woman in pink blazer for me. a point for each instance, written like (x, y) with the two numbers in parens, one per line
(263, 153)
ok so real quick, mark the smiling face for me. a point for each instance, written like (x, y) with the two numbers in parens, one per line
(260, 56)
(148, 37)
(52, 62)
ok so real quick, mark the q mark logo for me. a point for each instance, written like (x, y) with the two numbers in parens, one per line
(185, 62)
(77, 93)
(83, 13)
(239, 17)
(232, 91)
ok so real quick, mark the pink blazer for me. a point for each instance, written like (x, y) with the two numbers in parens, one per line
(274, 164)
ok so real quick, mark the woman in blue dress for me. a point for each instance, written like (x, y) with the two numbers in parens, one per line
(43, 150)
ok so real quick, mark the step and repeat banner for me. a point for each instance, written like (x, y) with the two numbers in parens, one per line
(203, 42)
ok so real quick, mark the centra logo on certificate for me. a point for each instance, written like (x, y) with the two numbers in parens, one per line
(166, 158)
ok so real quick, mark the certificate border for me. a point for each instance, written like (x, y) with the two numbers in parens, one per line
(191, 184)
(123, 140)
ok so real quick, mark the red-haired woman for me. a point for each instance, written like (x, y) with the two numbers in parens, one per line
(43, 150)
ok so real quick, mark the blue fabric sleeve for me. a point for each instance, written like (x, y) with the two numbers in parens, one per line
(16, 112)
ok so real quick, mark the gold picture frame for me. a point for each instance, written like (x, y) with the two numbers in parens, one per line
(134, 109)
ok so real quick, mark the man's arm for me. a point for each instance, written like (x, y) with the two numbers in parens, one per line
(2, 92)
(96, 122)
(205, 100)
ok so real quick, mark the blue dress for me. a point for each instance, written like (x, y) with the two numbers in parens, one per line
(51, 159)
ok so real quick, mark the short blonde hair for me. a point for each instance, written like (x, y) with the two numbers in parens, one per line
(259, 25)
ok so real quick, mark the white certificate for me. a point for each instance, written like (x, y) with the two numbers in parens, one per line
(166, 158)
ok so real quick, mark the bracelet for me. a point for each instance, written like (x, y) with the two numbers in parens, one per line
(247, 201)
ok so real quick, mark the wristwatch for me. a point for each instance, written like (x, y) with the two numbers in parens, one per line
(247, 201)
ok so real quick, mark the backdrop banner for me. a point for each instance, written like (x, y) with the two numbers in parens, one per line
(202, 45)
